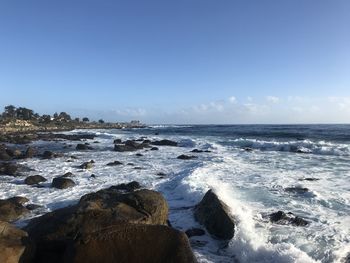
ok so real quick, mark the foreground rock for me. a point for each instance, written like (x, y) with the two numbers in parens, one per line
(117, 224)
(12, 243)
(215, 216)
(12, 209)
(282, 218)
(34, 179)
(62, 183)
(186, 157)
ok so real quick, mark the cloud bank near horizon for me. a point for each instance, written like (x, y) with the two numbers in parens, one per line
(250, 110)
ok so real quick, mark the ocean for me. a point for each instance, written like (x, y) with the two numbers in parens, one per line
(248, 166)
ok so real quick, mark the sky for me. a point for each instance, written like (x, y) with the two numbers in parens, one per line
(183, 61)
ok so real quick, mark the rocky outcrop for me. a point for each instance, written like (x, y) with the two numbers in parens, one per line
(62, 183)
(13, 243)
(118, 224)
(215, 216)
(12, 209)
(87, 165)
(297, 190)
(129, 146)
(165, 143)
(34, 179)
(83, 147)
(50, 155)
(282, 218)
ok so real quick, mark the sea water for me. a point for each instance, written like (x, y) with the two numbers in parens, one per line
(248, 166)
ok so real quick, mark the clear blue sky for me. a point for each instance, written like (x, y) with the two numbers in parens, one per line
(191, 61)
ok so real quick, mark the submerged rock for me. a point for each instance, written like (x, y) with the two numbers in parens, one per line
(82, 147)
(186, 157)
(297, 190)
(87, 165)
(215, 216)
(115, 163)
(9, 169)
(62, 183)
(165, 143)
(282, 218)
(34, 179)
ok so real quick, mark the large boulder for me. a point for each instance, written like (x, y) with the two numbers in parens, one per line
(12, 209)
(165, 143)
(12, 243)
(130, 243)
(62, 183)
(55, 232)
(215, 216)
(34, 179)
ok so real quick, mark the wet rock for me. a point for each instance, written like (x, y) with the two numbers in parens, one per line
(297, 190)
(195, 232)
(34, 179)
(186, 157)
(4, 156)
(130, 146)
(161, 174)
(18, 199)
(165, 143)
(129, 187)
(93, 176)
(139, 154)
(86, 165)
(33, 207)
(82, 147)
(12, 243)
(197, 151)
(62, 183)
(9, 169)
(115, 163)
(12, 209)
(151, 243)
(117, 141)
(154, 149)
(130, 164)
(309, 179)
(68, 174)
(282, 218)
(138, 168)
(50, 155)
(215, 216)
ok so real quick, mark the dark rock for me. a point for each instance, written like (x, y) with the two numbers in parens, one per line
(33, 206)
(18, 199)
(309, 179)
(34, 179)
(62, 183)
(130, 146)
(12, 243)
(130, 164)
(9, 169)
(68, 174)
(86, 165)
(282, 218)
(151, 243)
(165, 143)
(195, 232)
(82, 147)
(297, 190)
(186, 157)
(215, 216)
(4, 156)
(73, 157)
(196, 151)
(93, 176)
(117, 141)
(49, 155)
(14, 153)
(12, 209)
(161, 174)
(129, 187)
(138, 168)
(248, 149)
(30, 152)
(139, 154)
(115, 163)
(154, 149)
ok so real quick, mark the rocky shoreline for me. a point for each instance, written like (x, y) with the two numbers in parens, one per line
(122, 223)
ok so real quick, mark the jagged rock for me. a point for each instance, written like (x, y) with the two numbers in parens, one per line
(68, 174)
(117, 141)
(62, 183)
(12, 209)
(282, 218)
(86, 165)
(215, 216)
(115, 163)
(12, 243)
(195, 232)
(165, 143)
(186, 157)
(129, 146)
(34, 179)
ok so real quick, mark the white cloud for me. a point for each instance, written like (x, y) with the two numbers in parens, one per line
(232, 99)
(272, 99)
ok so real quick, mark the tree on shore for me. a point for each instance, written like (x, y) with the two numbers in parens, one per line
(101, 121)
(86, 119)
(10, 112)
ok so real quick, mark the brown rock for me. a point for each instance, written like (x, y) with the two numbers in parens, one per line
(62, 183)
(12, 209)
(34, 179)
